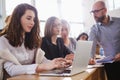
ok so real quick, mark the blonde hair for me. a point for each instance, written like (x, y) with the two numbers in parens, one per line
(64, 22)
(49, 26)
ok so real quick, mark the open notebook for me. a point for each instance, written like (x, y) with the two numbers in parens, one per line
(80, 62)
(107, 59)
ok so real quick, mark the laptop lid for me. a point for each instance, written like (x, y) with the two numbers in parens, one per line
(82, 56)
(80, 62)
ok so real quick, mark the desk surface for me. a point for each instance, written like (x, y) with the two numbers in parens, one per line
(89, 74)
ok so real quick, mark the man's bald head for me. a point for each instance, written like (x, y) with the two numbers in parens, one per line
(98, 5)
(99, 11)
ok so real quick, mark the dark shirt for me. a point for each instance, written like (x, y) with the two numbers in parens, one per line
(54, 51)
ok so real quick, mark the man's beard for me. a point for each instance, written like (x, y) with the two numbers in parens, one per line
(100, 19)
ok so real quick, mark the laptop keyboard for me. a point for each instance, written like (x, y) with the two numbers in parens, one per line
(62, 71)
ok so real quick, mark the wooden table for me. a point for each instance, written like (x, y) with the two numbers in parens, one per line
(89, 74)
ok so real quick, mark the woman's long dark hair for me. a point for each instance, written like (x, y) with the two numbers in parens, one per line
(82, 35)
(14, 31)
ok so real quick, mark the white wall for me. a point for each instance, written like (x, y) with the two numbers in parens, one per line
(114, 13)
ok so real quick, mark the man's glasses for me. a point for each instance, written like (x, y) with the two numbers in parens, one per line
(96, 11)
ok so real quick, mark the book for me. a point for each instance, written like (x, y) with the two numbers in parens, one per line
(108, 59)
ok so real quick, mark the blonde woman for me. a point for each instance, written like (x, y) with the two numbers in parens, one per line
(52, 44)
(69, 42)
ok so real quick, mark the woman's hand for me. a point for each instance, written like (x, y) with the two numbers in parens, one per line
(60, 63)
(53, 64)
(69, 56)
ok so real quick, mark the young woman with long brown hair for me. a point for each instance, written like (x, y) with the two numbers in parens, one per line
(20, 44)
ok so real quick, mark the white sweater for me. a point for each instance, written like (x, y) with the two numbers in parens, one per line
(19, 59)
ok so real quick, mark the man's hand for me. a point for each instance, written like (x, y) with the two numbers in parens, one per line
(92, 61)
(117, 57)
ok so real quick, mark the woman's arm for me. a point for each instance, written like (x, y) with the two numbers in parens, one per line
(13, 69)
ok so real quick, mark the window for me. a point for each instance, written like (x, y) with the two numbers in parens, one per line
(76, 29)
(11, 4)
(1, 23)
(117, 4)
(113, 4)
(64, 9)
(46, 9)
(70, 10)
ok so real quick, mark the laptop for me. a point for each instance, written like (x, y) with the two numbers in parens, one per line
(80, 62)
